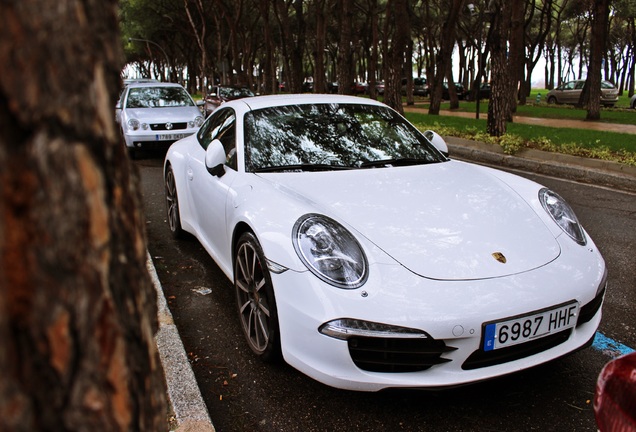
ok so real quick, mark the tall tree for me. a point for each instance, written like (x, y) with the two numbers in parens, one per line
(320, 77)
(77, 307)
(591, 94)
(396, 40)
(199, 31)
(499, 106)
(445, 54)
(344, 68)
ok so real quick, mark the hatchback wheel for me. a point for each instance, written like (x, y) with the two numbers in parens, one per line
(172, 205)
(255, 299)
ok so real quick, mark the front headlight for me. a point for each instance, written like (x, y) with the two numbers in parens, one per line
(330, 251)
(198, 121)
(562, 214)
(133, 124)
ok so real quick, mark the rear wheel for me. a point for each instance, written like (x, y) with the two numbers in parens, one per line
(172, 205)
(255, 299)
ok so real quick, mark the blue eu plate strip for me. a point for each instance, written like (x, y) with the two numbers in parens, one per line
(489, 337)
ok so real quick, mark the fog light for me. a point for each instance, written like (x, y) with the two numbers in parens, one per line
(344, 328)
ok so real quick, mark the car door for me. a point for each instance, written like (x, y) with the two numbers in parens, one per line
(569, 94)
(210, 193)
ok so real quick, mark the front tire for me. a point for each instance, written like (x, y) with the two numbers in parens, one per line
(172, 205)
(552, 100)
(255, 300)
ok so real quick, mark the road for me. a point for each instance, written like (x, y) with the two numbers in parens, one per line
(243, 394)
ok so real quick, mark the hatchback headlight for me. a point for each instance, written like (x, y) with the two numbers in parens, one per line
(133, 124)
(330, 251)
(198, 121)
(562, 214)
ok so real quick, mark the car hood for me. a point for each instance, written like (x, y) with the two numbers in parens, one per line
(446, 221)
(164, 114)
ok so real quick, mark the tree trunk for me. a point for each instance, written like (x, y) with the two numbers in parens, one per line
(397, 20)
(345, 54)
(591, 94)
(375, 42)
(445, 54)
(516, 55)
(77, 306)
(320, 76)
(498, 108)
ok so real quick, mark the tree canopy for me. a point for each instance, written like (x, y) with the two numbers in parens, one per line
(279, 45)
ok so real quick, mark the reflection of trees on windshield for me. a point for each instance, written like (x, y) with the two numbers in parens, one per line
(331, 134)
(233, 92)
(158, 97)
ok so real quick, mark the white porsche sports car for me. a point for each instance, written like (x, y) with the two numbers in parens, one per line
(367, 258)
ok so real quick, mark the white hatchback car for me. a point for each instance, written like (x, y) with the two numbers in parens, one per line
(154, 115)
(367, 258)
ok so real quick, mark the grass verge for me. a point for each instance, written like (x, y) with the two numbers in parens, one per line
(603, 145)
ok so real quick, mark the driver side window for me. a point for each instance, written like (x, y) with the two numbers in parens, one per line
(221, 125)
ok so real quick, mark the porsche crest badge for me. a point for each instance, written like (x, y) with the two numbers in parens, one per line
(499, 257)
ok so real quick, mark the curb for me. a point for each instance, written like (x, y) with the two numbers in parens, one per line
(585, 170)
(184, 395)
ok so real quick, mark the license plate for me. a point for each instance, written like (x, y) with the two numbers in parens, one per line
(525, 328)
(171, 137)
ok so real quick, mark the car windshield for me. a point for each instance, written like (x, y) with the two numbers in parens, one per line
(232, 92)
(158, 97)
(336, 136)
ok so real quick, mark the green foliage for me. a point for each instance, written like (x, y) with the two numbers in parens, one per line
(602, 145)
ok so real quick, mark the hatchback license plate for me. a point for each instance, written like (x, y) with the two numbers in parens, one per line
(525, 328)
(170, 137)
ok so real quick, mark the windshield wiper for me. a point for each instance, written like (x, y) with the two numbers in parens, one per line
(394, 162)
(302, 167)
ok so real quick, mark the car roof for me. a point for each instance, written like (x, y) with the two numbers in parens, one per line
(154, 84)
(139, 80)
(258, 102)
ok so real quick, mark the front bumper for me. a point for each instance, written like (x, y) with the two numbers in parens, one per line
(147, 139)
(452, 313)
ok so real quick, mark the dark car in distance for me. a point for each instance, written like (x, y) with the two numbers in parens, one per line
(220, 94)
(484, 92)
(459, 88)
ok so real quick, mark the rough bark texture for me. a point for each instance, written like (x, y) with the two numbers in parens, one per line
(499, 106)
(344, 67)
(77, 307)
(445, 55)
(398, 27)
(591, 95)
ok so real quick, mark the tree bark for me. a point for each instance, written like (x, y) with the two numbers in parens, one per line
(498, 108)
(445, 54)
(591, 94)
(77, 307)
(344, 67)
(396, 42)
(320, 76)
(375, 42)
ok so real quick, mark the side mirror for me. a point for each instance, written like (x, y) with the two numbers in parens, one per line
(437, 141)
(200, 102)
(215, 158)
